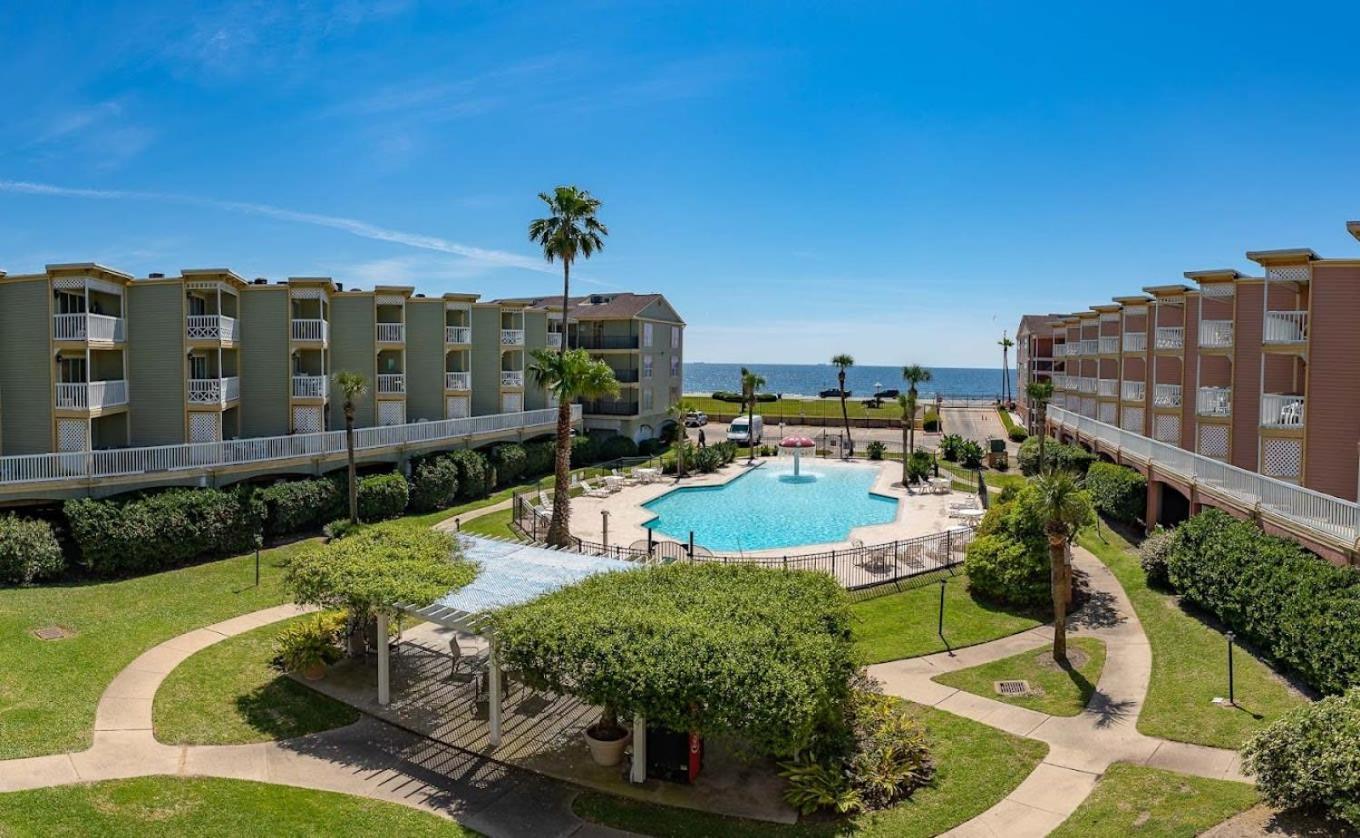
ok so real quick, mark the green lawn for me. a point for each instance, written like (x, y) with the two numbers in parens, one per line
(976, 766)
(1060, 692)
(994, 479)
(1139, 802)
(790, 409)
(904, 625)
(174, 806)
(231, 693)
(1190, 664)
(495, 524)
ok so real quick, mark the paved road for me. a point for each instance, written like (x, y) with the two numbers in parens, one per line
(973, 423)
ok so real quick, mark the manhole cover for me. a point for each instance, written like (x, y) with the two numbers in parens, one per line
(1011, 687)
(52, 633)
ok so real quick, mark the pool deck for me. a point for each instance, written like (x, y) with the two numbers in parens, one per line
(917, 514)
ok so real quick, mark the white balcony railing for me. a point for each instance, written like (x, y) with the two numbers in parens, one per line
(457, 381)
(1108, 388)
(1086, 385)
(554, 340)
(1135, 341)
(391, 383)
(203, 457)
(1281, 411)
(1134, 391)
(512, 378)
(1215, 334)
(1090, 346)
(391, 333)
(92, 395)
(310, 387)
(1166, 395)
(311, 331)
(88, 327)
(1214, 401)
(1109, 344)
(211, 327)
(214, 390)
(1285, 327)
(1059, 350)
(1320, 514)
(1170, 337)
(512, 337)
(458, 334)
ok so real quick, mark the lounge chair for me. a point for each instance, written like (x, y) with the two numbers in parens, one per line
(593, 491)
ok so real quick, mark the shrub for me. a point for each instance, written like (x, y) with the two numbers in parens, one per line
(1117, 491)
(434, 483)
(618, 447)
(29, 551)
(875, 449)
(1071, 458)
(584, 451)
(930, 420)
(1002, 569)
(1017, 433)
(162, 530)
(309, 642)
(1152, 555)
(1286, 602)
(919, 465)
(1310, 758)
(970, 454)
(727, 451)
(729, 396)
(540, 457)
(301, 505)
(509, 460)
(651, 447)
(382, 496)
(473, 473)
(950, 446)
(704, 460)
(341, 528)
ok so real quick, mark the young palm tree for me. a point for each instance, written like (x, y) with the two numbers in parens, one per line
(908, 406)
(751, 382)
(842, 363)
(913, 374)
(1005, 343)
(1038, 394)
(568, 376)
(352, 386)
(1064, 508)
(678, 411)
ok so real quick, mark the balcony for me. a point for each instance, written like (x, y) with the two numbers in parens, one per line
(391, 384)
(1059, 350)
(512, 337)
(512, 378)
(217, 391)
(1086, 385)
(1090, 346)
(457, 381)
(1170, 337)
(1109, 344)
(1214, 401)
(1166, 395)
(92, 395)
(1107, 388)
(391, 333)
(608, 341)
(1135, 341)
(311, 331)
(1134, 391)
(1216, 334)
(212, 327)
(611, 408)
(458, 334)
(626, 376)
(554, 340)
(93, 328)
(1285, 327)
(309, 386)
(1279, 410)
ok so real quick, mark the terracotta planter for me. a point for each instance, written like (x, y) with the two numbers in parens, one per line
(315, 672)
(607, 752)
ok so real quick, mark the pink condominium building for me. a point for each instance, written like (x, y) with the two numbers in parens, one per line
(1227, 390)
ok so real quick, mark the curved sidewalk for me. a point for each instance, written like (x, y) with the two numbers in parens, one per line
(1081, 747)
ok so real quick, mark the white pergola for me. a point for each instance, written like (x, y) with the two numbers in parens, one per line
(509, 573)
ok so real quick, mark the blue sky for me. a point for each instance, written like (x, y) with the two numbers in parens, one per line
(895, 181)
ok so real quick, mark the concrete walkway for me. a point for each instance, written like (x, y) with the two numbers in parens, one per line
(1081, 747)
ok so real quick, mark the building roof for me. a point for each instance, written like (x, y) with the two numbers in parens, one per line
(1036, 322)
(616, 305)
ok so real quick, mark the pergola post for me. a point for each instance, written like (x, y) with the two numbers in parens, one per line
(384, 675)
(638, 772)
(494, 694)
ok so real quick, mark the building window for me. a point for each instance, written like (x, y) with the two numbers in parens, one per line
(646, 366)
(675, 365)
(647, 335)
(675, 338)
(646, 398)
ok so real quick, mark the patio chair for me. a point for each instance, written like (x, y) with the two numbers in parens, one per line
(629, 479)
(593, 491)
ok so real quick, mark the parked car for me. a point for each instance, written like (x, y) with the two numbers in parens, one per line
(742, 434)
(696, 419)
(886, 394)
(833, 393)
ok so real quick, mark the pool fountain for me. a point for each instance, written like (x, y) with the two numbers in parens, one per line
(797, 445)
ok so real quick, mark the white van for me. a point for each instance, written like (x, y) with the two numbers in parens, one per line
(739, 433)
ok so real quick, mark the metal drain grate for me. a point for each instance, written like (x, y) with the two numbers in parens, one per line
(1011, 687)
(52, 633)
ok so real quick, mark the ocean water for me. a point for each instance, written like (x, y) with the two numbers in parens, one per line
(768, 507)
(811, 379)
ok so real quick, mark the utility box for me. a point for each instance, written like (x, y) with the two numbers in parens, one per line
(673, 756)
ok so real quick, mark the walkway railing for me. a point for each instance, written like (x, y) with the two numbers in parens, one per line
(117, 462)
(1327, 516)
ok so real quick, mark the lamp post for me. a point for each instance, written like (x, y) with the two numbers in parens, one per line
(1232, 697)
(944, 581)
(258, 540)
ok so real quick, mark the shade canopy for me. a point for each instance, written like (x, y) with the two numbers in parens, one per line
(796, 442)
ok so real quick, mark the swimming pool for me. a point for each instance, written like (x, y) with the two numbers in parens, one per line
(768, 507)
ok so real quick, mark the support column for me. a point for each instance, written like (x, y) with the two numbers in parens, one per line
(384, 675)
(638, 772)
(493, 689)
(1153, 512)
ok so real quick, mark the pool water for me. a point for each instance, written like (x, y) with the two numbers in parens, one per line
(769, 508)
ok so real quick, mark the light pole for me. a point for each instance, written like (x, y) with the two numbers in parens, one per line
(1232, 697)
(940, 627)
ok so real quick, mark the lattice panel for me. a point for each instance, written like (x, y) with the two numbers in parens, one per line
(512, 402)
(205, 426)
(1132, 419)
(1213, 441)
(391, 413)
(389, 300)
(73, 435)
(307, 420)
(1282, 457)
(1292, 273)
(1109, 412)
(1167, 428)
(456, 407)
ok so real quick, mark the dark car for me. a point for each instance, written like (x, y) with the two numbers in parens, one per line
(887, 394)
(834, 393)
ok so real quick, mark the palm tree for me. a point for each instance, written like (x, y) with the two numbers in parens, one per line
(352, 386)
(1064, 508)
(908, 406)
(678, 411)
(568, 375)
(1038, 393)
(1005, 343)
(842, 363)
(751, 382)
(913, 374)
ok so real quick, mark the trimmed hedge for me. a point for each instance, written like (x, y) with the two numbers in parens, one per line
(473, 474)
(1310, 758)
(510, 461)
(1117, 491)
(383, 496)
(434, 484)
(540, 457)
(29, 551)
(301, 505)
(1286, 602)
(1008, 561)
(930, 420)
(584, 451)
(159, 531)
(1071, 458)
(618, 447)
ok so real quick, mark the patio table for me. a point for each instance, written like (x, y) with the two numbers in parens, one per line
(613, 483)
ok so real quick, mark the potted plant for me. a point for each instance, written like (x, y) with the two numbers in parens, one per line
(607, 738)
(309, 646)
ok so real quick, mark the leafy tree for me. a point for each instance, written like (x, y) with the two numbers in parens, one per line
(1310, 758)
(352, 386)
(751, 382)
(1039, 393)
(913, 374)
(568, 375)
(842, 363)
(1064, 509)
(678, 411)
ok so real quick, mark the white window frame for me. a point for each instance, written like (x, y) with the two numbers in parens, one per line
(675, 338)
(646, 366)
(647, 335)
(647, 399)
